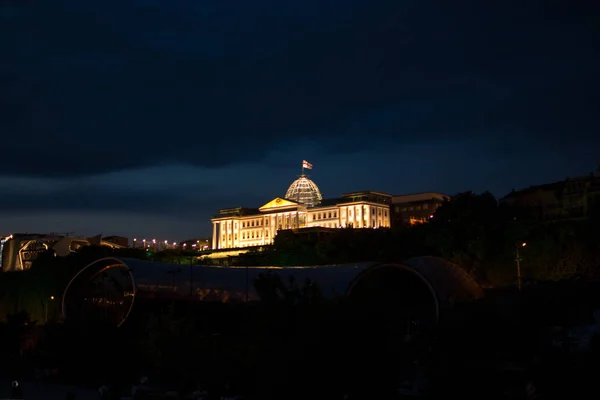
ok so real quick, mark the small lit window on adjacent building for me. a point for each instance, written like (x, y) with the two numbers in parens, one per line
(329, 215)
(335, 214)
(425, 206)
(235, 237)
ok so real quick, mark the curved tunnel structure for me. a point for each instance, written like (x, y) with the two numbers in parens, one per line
(108, 288)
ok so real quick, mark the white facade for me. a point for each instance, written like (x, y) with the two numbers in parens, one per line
(238, 228)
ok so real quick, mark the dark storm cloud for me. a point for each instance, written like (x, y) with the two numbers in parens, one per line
(181, 201)
(90, 87)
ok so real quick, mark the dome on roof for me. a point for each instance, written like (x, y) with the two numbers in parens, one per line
(304, 191)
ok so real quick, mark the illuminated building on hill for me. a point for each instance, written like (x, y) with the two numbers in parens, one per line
(302, 207)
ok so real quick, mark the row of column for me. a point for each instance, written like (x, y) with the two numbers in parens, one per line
(229, 230)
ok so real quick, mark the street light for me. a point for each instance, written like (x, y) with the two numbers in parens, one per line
(518, 261)
(46, 308)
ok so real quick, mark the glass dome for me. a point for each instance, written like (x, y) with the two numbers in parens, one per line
(304, 191)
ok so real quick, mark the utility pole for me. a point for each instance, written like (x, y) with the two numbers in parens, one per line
(518, 261)
(191, 276)
(247, 282)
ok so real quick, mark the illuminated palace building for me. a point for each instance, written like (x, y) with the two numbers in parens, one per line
(301, 207)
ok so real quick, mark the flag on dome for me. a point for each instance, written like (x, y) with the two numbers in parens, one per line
(306, 164)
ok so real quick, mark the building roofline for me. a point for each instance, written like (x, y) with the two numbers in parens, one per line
(419, 193)
(365, 192)
(551, 185)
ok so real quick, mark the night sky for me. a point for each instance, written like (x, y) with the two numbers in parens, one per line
(142, 118)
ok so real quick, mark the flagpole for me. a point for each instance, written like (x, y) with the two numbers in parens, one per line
(302, 173)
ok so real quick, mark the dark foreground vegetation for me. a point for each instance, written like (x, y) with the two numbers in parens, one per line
(296, 344)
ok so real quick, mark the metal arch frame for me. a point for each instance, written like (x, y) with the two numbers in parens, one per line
(400, 267)
(115, 262)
